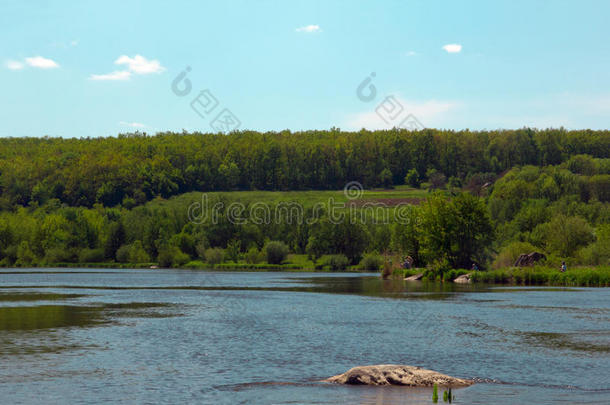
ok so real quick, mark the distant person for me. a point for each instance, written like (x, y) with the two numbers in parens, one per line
(563, 267)
(474, 266)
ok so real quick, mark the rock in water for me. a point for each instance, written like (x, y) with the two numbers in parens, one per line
(392, 374)
(416, 277)
(463, 279)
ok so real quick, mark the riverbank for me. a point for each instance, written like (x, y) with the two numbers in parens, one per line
(519, 276)
(538, 275)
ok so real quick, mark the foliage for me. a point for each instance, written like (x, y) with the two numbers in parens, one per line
(232, 250)
(133, 168)
(137, 254)
(276, 251)
(337, 262)
(537, 275)
(128, 197)
(253, 256)
(564, 235)
(214, 256)
(371, 262)
(171, 256)
(436, 178)
(412, 178)
(509, 254)
(91, 255)
(459, 231)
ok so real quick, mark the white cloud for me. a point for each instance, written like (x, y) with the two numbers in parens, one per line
(411, 53)
(117, 75)
(133, 124)
(429, 113)
(309, 29)
(452, 48)
(74, 42)
(140, 65)
(41, 63)
(13, 65)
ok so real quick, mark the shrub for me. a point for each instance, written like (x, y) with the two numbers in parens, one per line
(337, 262)
(200, 248)
(385, 178)
(122, 254)
(453, 274)
(436, 178)
(214, 256)
(437, 269)
(371, 262)
(455, 182)
(232, 250)
(276, 252)
(509, 254)
(171, 256)
(564, 235)
(91, 255)
(137, 254)
(194, 264)
(412, 178)
(253, 256)
(58, 255)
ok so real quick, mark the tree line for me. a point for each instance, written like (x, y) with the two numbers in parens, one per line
(127, 199)
(131, 169)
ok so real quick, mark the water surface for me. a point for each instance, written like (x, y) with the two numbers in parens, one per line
(170, 336)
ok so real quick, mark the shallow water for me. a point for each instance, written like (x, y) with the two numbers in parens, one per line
(172, 336)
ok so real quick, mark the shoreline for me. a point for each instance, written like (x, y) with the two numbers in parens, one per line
(585, 276)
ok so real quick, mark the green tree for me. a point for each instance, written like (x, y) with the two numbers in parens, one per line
(232, 250)
(412, 178)
(137, 254)
(277, 252)
(459, 230)
(116, 238)
(565, 235)
(385, 178)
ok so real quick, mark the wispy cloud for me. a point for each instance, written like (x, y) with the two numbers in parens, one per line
(309, 29)
(133, 124)
(138, 65)
(14, 65)
(453, 48)
(429, 112)
(411, 53)
(117, 75)
(65, 45)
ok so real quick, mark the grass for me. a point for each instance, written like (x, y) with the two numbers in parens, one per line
(310, 198)
(294, 262)
(539, 275)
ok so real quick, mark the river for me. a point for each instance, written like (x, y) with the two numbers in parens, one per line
(179, 336)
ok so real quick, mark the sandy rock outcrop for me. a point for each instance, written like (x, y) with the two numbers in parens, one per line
(393, 374)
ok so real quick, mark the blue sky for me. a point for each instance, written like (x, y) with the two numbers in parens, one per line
(91, 68)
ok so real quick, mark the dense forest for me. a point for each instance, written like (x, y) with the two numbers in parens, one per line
(492, 195)
(134, 168)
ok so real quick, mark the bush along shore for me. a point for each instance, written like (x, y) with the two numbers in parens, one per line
(580, 276)
(537, 275)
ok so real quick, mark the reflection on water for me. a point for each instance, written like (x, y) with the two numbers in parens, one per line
(47, 317)
(172, 336)
(35, 296)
